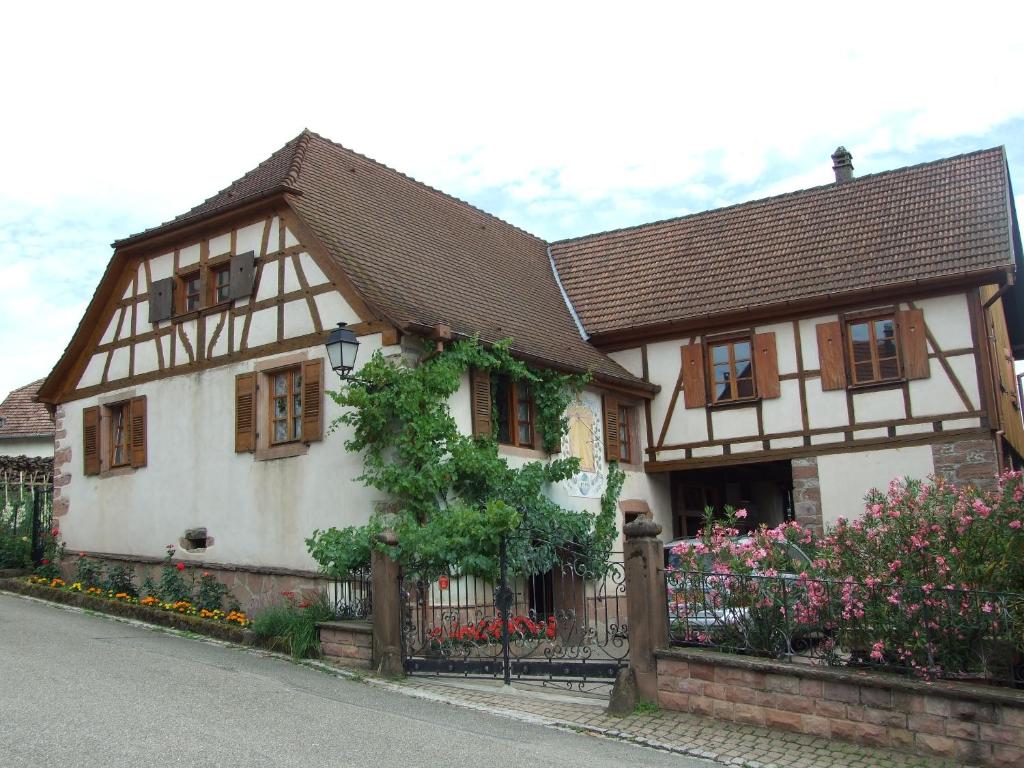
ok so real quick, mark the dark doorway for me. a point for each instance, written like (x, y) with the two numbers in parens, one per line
(764, 489)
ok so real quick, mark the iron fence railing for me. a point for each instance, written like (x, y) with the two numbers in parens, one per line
(352, 596)
(26, 506)
(930, 632)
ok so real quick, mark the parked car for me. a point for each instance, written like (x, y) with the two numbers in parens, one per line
(704, 607)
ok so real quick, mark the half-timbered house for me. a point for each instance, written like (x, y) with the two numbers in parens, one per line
(784, 355)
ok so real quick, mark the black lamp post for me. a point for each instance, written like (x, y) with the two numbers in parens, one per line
(342, 347)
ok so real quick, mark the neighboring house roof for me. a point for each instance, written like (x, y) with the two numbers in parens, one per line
(940, 219)
(418, 256)
(21, 416)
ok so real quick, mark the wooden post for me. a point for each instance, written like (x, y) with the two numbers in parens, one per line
(387, 610)
(647, 601)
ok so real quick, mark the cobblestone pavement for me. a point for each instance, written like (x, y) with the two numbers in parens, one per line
(683, 733)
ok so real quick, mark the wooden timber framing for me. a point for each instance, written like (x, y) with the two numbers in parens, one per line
(754, 457)
(127, 284)
(812, 440)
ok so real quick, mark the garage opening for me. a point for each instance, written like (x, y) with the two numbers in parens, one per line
(764, 489)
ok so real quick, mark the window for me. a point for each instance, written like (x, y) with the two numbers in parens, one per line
(619, 419)
(120, 429)
(279, 407)
(199, 287)
(220, 284)
(190, 292)
(514, 410)
(732, 371)
(625, 434)
(114, 436)
(286, 406)
(873, 353)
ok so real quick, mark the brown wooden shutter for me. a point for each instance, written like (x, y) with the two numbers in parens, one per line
(830, 356)
(694, 393)
(913, 343)
(137, 414)
(245, 412)
(161, 299)
(313, 400)
(243, 270)
(766, 366)
(480, 396)
(611, 428)
(91, 440)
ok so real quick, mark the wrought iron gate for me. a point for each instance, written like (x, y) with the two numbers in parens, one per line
(566, 626)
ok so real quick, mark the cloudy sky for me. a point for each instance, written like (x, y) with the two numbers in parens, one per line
(562, 118)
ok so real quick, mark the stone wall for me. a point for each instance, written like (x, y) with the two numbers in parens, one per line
(970, 460)
(347, 642)
(807, 493)
(61, 468)
(974, 724)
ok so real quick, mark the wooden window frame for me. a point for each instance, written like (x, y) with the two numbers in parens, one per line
(110, 412)
(259, 443)
(269, 378)
(709, 365)
(627, 415)
(182, 279)
(514, 422)
(213, 271)
(870, 318)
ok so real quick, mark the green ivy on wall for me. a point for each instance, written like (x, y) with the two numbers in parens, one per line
(452, 496)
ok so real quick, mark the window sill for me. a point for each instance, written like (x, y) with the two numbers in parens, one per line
(197, 313)
(117, 471)
(873, 385)
(282, 451)
(528, 453)
(746, 402)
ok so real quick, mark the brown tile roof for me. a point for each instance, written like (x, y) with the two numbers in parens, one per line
(423, 257)
(21, 416)
(938, 219)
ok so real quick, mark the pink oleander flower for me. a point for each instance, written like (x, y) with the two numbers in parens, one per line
(1015, 524)
(741, 514)
(876, 651)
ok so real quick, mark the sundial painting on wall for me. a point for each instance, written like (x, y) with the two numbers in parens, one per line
(584, 440)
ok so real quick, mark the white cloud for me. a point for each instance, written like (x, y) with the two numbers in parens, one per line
(566, 117)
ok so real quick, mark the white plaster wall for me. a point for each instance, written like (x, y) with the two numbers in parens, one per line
(824, 408)
(314, 275)
(630, 359)
(259, 512)
(119, 363)
(879, 405)
(845, 478)
(26, 446)
(145, 357)
(785, 345)
(782, 414)
(93, 372)
(949, 320)
(729, 423)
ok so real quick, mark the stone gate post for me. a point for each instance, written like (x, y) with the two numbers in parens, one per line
(647, 602)
(387, 610)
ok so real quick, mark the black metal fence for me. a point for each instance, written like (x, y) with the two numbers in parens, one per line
(920, 630)
(352, 597)
(26, 512)
(566, 625)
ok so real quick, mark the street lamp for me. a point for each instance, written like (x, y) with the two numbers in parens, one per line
(342, 347)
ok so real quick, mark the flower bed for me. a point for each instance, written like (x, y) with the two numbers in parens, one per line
(131, 608)
(520, 629)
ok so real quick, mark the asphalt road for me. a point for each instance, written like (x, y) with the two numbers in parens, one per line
(81, 690)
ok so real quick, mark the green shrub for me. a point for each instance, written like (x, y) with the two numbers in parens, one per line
(121, 578)
(89, 573)
(211, 594)
(291, 626)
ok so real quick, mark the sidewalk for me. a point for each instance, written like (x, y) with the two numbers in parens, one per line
(683, 733)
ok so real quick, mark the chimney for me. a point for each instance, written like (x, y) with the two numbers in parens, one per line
(842, 164)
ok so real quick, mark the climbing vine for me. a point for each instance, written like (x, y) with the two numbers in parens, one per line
(452, 496)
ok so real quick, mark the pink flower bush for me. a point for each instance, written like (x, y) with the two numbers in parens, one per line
(928, 579)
